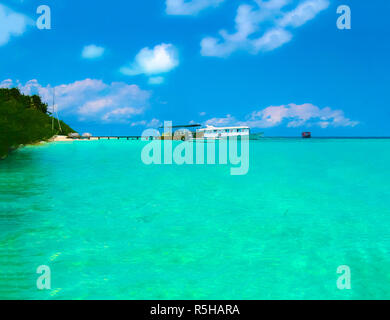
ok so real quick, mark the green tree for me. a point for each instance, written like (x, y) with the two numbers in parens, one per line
(24, 120)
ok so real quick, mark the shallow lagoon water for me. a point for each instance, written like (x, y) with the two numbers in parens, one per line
(111, 227)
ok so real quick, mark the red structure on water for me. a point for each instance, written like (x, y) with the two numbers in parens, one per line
(306, 134)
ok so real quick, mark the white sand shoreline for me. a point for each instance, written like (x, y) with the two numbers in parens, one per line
(60, 138)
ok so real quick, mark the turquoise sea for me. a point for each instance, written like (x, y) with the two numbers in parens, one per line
(111, 227)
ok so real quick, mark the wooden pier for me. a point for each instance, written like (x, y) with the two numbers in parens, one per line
(121, 137)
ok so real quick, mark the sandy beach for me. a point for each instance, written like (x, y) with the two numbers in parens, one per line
(60, 138)
(66, 139)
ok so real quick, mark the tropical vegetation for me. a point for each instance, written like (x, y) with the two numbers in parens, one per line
(25, 119)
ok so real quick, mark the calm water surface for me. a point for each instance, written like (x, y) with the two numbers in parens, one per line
(111, 227)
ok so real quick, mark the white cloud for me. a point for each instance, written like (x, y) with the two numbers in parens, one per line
(156, 80)
(222, 122)
(272, 39)
(121, 114)
(6, 83)
(90, 99)
(95, 106)
(202, 114)
(161, 59)
(292, 115)
(270, 15)
(92, 52)
(12, 24)
(154, 123)
(192, 7)
(304, 12)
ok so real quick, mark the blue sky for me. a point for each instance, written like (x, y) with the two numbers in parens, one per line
(279, 66)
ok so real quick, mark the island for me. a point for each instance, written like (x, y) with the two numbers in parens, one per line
(25, 119)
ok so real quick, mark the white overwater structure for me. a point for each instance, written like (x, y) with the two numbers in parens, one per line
(211, 132)
(184, 132)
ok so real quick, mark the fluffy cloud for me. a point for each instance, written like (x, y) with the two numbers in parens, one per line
(272, 39)
(154, 123)
(192, 7)
(304, 12)
(156, 80)
(90, 99)
(161, 59)
(292, 115)
(121, 114)
(92, 52)
(222, 122)
(249, 19)
(12, 24)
